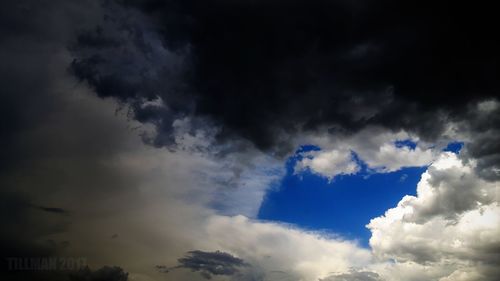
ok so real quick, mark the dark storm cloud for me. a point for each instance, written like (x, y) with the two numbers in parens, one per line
(209, 263)
(16, 236)
(261, 69)
(33, 38)
(22, 226)
(32, 34)
(485, 145)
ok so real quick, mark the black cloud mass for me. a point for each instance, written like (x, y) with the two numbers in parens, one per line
(263, 70)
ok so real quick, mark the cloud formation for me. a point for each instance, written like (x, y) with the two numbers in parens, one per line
(220, 89)
(452, 226)
(354, 276)
(210, 263)
(329, 164)
(302, 65)
(270, 248)
(379, 150)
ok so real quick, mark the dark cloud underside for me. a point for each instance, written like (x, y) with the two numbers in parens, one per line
(264, 68)
(209, 263)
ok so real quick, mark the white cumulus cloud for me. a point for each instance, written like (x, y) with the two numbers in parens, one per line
(328, 163)
(449, 231)
(376, 147)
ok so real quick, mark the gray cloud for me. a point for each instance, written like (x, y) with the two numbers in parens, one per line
(354, 276)
(482, 132)
(211, 263)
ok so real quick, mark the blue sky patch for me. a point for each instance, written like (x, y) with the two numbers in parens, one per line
(405, 143)
(454, 147)
(342, 206)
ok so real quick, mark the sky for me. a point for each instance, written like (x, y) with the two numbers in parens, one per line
(249, 140)
(304, 199)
